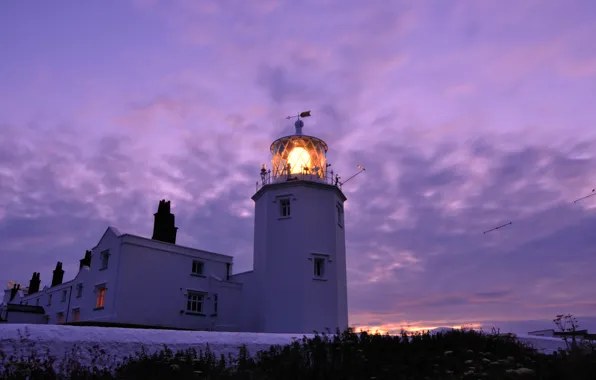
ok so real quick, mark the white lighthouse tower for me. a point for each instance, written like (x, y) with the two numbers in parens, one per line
(299, 242)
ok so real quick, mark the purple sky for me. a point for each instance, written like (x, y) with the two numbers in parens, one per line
(466, 115)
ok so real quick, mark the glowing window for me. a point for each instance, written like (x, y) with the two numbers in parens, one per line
(100, 296)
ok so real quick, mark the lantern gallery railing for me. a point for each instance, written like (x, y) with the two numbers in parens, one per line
(268, 178)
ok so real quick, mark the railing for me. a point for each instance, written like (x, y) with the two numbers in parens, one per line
(268, 178)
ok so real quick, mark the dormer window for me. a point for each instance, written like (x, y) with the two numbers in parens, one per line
(105, 258)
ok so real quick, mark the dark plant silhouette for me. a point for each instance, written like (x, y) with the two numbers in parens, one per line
(457, 354)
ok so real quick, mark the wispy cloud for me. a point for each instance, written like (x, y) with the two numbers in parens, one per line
(466, 117)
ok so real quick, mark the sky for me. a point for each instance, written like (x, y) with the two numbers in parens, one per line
(466, 115)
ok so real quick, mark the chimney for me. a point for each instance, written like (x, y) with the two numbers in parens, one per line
(34, 283)
(85, 261)
(58, 274)
(14, 290)
(164, 228)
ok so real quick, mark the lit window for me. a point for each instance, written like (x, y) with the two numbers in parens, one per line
(100, 292)
(79, 290)
(284, 208)
(76, 315)
(60, 318)
(197, 267)
(105, 258)
(340, 215)
(319, 267)
(194, 302)
(64, 293)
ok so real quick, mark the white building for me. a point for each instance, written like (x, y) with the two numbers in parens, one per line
(298, 284)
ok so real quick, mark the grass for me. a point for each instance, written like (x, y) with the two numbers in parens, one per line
(457, 354)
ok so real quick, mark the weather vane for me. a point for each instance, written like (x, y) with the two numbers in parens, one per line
(496, 228)
(587, 196)
(301, 114)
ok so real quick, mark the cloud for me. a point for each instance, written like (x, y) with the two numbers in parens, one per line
(465, 117)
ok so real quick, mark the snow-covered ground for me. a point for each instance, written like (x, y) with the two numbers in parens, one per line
(121, 342)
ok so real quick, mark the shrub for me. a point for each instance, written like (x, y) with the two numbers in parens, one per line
(457, 354)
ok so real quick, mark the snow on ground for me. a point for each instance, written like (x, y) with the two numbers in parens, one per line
(118, 343)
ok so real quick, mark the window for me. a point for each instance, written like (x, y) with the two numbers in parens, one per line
(194, 302)
(79, 290)
(60, 318)
(37, 302)
(76, 315)
(64, 293)
(340, 215)
(100, 294)
(215, 299)
(105, 257)
(197, 267)
(49, 299)
(319, 267)
(284, 208)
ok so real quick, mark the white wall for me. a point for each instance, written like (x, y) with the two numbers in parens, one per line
(89, 277)
(242, 308)
(22, 317)
(290, 299)
(155, 278)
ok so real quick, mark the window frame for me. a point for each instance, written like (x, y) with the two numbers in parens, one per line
(60, 318)
(64, 295)
(194, 269)
(323, 259)
(215, 303)
(100, 294)
(285, 207)
(76, 312)
(199, 302)
(340, 215)
(79, 290)
(104, 258)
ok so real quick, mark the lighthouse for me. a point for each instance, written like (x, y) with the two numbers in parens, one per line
(299, 240)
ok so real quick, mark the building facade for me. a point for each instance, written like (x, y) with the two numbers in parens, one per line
(298, 283)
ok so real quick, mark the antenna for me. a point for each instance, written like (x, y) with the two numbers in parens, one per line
(496, 228)
(587, 196)
(360, 170)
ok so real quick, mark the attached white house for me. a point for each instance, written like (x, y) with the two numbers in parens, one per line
(298, 283)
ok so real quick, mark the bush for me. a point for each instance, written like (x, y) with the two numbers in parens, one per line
(456, 354)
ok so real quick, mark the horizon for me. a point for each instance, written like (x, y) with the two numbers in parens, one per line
(465, 116)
